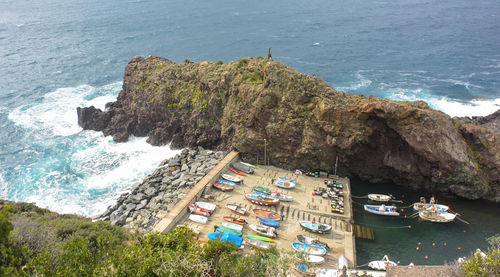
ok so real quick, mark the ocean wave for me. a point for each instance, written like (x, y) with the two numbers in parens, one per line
(362, 82)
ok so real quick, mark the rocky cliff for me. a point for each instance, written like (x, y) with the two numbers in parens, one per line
(306, 124)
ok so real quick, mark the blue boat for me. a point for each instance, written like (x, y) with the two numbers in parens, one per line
(226, 237)
(269, 222)
(229, 183)
(287, 179)
(310, 249)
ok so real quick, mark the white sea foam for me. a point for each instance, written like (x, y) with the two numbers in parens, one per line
(3, 188)
(362, 82)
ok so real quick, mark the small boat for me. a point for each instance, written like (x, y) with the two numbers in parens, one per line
(269, 222)
(236, 209)
(284, 184)
(309, 248)
(261, 213)
(383, 264)
(315, 227)
(304, 270)
(242, 168)
(382, 210)
(259, 238)
(261, 200)
(198, 218)
(236, 227)
(436, 216)
(222, 187)
(311, 240)
(264, 230)
(222, 229)
(231, 178)
(232, 219)
(205, 205)
(417, 206)
(238, 172)
(226, 237)
(379, 197)
(250, 165)
(197, 210)
(229, 183)
(259, 244)
(261, 189)
(278, 195)
(287, 179)
(315, 259)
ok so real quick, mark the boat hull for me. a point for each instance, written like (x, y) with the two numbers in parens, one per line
(314, 227)
(379, 197)
(424, 206)
(313, 241)
(205, 205)
(198, 218)
(237, 172)
(226, 237)
(438, 217)
(382, 210)
(263, 230)
(269, 222)
(264, 201)
(284, 184)
(309, 248)
(260, 213)
(236, 209)
(231, 178)
(232, 226)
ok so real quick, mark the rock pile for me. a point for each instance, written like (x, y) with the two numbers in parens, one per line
(150, 200)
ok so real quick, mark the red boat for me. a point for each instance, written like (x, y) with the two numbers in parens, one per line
(237, 172)
(232, 219)
(199, 211)
(261, 199)
(223, 187)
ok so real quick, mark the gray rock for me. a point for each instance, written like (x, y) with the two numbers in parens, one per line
(176, 182)
(185, 168)
(141, 205)
(137, 198)
(150, 191)
(130, 206)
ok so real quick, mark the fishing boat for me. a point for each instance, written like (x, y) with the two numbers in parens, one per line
(261, 200)
(259, 238)
(250, 165)
(379, 197)
(261, 213)
(226, 237)
(205, 205)
(382, 264)
(264, 230)
(259, 244)
(236, 209)
(223, 187)
(229, 183)
(309, 248)
(315, 227)
(304, 270)
(242, 168)
(311, 240)
(269, 222)
(236, 227)
(198, 218)
(287, 179)
(277, 195)
(418, 206)
(237, 172)
(231, 178)
(197, 210)
(284, 184)
(222, 229)
(382, 210)
(261, 189)
(436, 216)
(232, 219)
(315, 259)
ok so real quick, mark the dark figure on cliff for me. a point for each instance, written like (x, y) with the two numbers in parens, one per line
(269, 57)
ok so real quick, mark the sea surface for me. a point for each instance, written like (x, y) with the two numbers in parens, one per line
(57, 55)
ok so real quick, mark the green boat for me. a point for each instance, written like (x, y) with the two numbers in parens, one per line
(261, 238)
(261, 189)
(222, 229)
(250, 165)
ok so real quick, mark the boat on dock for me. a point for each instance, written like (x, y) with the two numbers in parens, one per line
(311, 240)
(232, 219)
(199, 211)
(304, 270)
(379, 197)
(259, 238)
(284, 184)
(261, 200)
(205, 205)
(264, 230)
(198, 218)
(226, 237)
(287, 179)
(223, 187)
(222, 229)
(261, 213)
(278, 195)
(229, 183)
(315, 227)
(315, 259)
(382, 264)
(236, 209)
(382, 210)
(236, 227)
(231, 178)
(309, 248)
(436, 216)
(269, 222)
(250, 165)
(418, 206)
(261, 189)
(258, 243)
(237, 172)
(242, 168)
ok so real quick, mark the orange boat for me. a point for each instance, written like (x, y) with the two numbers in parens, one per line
(237, 172)
(232, 219)
(199, 211)
(223, 187)
(266, 214)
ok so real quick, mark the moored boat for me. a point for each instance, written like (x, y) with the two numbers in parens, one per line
(223, 187)
(264, 230)
(232, 219)
(309, 248)
(418, 206)
(287, 179)
(379, 197)
(259, 244)
(261, 200)
(261, 213)
(261, 189)
(199, 211)
(284, 184)
(259, 238)
(382, 264)
(229, 183)
(311, 240)
(198, 218)
(315, 227)
(237, 172)
(382, 210)
(222, 229)
(231, 178)
(236, 227)
(269, 222)
(205, 205)
(436, 216)
(236, 209)
(226, 237)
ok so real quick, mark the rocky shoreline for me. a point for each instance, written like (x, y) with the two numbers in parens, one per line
(150, 200)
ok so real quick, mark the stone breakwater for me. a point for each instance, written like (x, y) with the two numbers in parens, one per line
(150, 200)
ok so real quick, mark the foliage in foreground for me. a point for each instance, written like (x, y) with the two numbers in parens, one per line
(487, 264)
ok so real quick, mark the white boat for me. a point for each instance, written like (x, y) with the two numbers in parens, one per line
(263, 230)
(198, 218)
(383, 264)
(207, 206)
(436, 216)
(284, 184)
(236, 227)
(382, 209)
(231, 178)
(315, 259)
(258, 243)
(237, 209)
(379, 197)
(287, 179)
(425, 206)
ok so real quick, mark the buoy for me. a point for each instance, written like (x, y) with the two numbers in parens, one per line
(418, 248)
(402, 210)
(444, 243)
(433, 244)
(459, 248)
(409, 226)
(419, 243)
(465, 231)
(405, 216)
(426, 257)
(402, 195)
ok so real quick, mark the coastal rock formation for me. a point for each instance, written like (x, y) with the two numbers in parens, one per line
(150, 200)
(305, 123)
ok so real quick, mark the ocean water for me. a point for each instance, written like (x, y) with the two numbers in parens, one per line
(57, 55)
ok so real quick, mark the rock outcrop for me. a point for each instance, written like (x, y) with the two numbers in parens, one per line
(305, 122)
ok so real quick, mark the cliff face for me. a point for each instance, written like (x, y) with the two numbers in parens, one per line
(306, 123)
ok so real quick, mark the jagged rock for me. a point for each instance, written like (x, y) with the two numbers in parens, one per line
(185, 167)
(150, 191)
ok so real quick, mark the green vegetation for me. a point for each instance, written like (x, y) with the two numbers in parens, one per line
(37, 242)
(487, 264)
